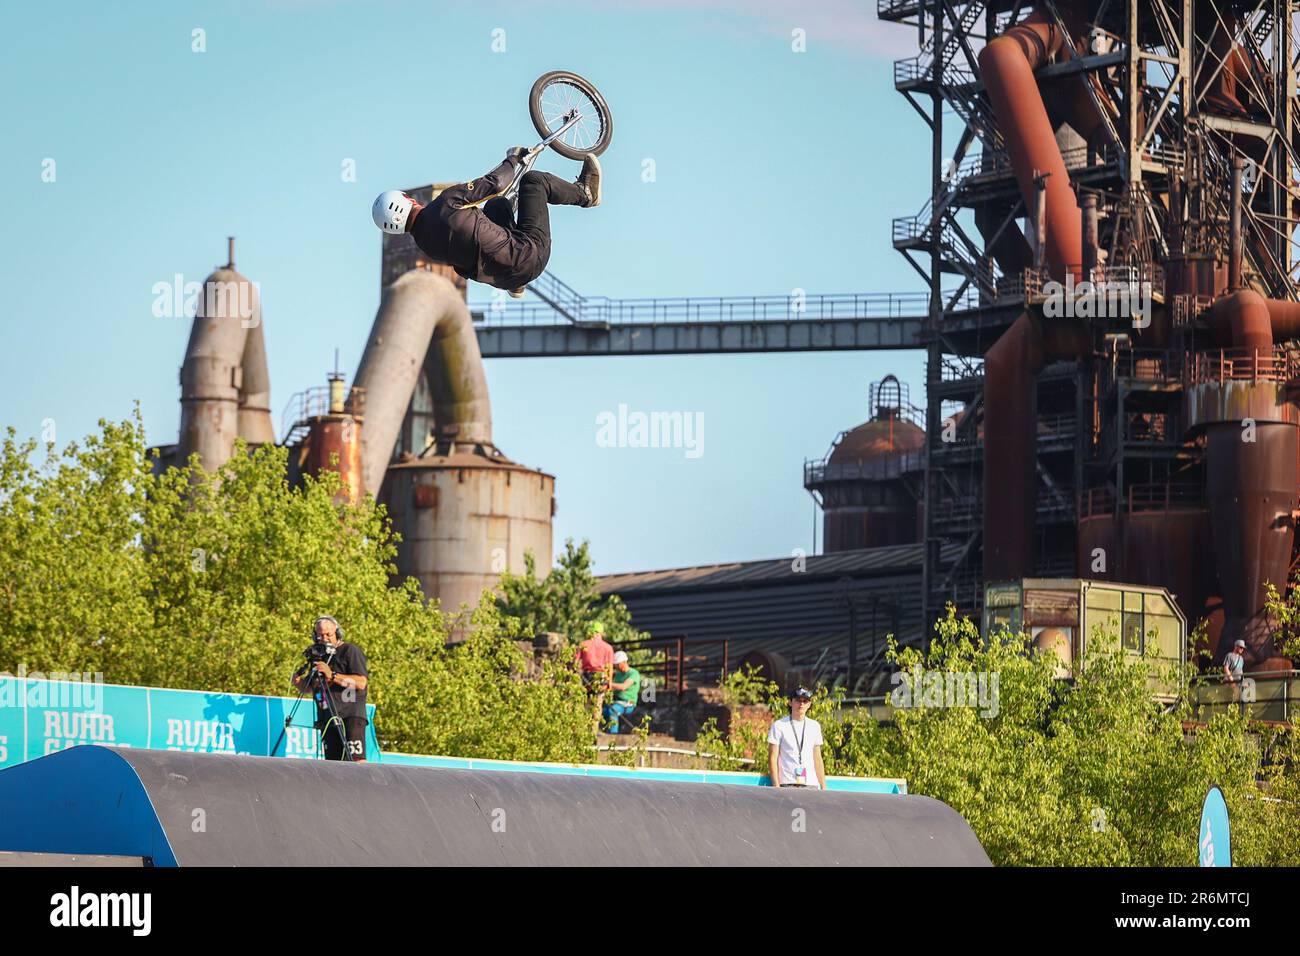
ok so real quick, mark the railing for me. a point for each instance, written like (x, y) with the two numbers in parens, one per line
(602, 311)
(960, 371)
(1144, 365)
(992, 165)
(891, 398)
(886, 8)
(1154, 428)
(1139, 498)
(1063, 425)
(1113, 288)
(1187, 308)
(676, 663)
(315, 401)
(1241, 365)
(959, 510)
(1276, 696)
(880, 468)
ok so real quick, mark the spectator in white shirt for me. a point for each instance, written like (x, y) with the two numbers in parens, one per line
(794, 747)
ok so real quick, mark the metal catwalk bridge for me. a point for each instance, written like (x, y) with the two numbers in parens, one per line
(562, 322)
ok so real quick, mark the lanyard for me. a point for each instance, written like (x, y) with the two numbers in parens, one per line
(799, 738)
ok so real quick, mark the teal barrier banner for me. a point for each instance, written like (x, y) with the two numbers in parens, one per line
(39, 717)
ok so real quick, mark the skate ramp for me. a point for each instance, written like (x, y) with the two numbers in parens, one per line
(225, 810)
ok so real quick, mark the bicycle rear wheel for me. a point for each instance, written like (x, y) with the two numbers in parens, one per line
(552, 98)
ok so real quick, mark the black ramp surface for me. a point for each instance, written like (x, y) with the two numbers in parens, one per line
(220, 810)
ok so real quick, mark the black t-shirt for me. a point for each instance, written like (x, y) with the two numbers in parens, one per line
(348, 659)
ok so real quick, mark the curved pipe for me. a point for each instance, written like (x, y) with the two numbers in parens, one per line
(211, 373)
(1242, 320)
(1012, 364)
(255, 389)
(1007, 66)
(421, 315)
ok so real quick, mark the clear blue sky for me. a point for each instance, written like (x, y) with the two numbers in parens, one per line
(775, 170)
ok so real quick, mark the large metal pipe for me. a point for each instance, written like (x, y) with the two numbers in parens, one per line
(1251, 474)
(1008, 247)
(420, 314)
(1012, 364)
(255, 389)
(1040, 219)
(1091, 243)
(211, 375)
(1007, 66)
(1234, 226)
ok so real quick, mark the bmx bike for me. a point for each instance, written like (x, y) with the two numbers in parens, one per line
(571, 117)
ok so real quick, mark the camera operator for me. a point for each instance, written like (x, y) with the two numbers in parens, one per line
(342, 675)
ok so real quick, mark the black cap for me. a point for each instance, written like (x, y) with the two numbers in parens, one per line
(803, 692)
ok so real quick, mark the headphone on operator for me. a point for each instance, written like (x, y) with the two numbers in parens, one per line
(338, 628)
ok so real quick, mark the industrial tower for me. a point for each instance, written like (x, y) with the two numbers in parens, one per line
(1145, 144)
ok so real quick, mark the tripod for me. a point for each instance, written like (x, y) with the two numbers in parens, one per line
(316, 683)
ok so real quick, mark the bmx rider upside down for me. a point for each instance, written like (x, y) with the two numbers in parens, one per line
(472, 228)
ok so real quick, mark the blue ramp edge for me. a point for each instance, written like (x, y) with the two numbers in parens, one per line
(82, 800)
(727, 777)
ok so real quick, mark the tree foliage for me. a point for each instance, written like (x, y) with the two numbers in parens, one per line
(566, 601)
(1091, 771)
(186, 579)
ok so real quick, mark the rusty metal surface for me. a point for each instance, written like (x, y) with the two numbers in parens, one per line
(1251, 489)
(211, 373)
(1237, 401)
(334, 444)
(422, 326)
(463, 520)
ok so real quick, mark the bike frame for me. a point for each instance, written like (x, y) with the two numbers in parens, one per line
(512, 191)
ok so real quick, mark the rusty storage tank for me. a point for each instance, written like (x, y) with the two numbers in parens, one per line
(1239, 398)
(465, 514)
(333, 421)
(865, 483)
(1158, 534)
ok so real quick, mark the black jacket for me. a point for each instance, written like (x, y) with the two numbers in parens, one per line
(453, 229)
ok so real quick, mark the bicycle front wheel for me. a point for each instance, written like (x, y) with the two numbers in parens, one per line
(554, 98)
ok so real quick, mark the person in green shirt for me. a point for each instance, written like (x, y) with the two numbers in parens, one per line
(626, 686)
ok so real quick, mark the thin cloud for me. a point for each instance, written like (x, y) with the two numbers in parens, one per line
(845, 25)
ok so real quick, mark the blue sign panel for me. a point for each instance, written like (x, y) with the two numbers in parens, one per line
(13, 740)
(1215, 843)
(39, 717)
(62, 714)
(207, 723)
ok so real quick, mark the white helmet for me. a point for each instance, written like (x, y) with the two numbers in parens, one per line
(391, 211)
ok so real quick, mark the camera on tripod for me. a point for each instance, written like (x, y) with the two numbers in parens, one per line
(318, 653)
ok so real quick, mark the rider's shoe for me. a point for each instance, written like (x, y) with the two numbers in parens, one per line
(517, 293)
(589, 180)
(516, 154)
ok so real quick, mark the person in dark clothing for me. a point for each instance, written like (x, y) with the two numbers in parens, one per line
(345, 678)
(471, 226)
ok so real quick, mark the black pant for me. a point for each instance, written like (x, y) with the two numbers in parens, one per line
(355, 730)
(486, 243)
(537, 190)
